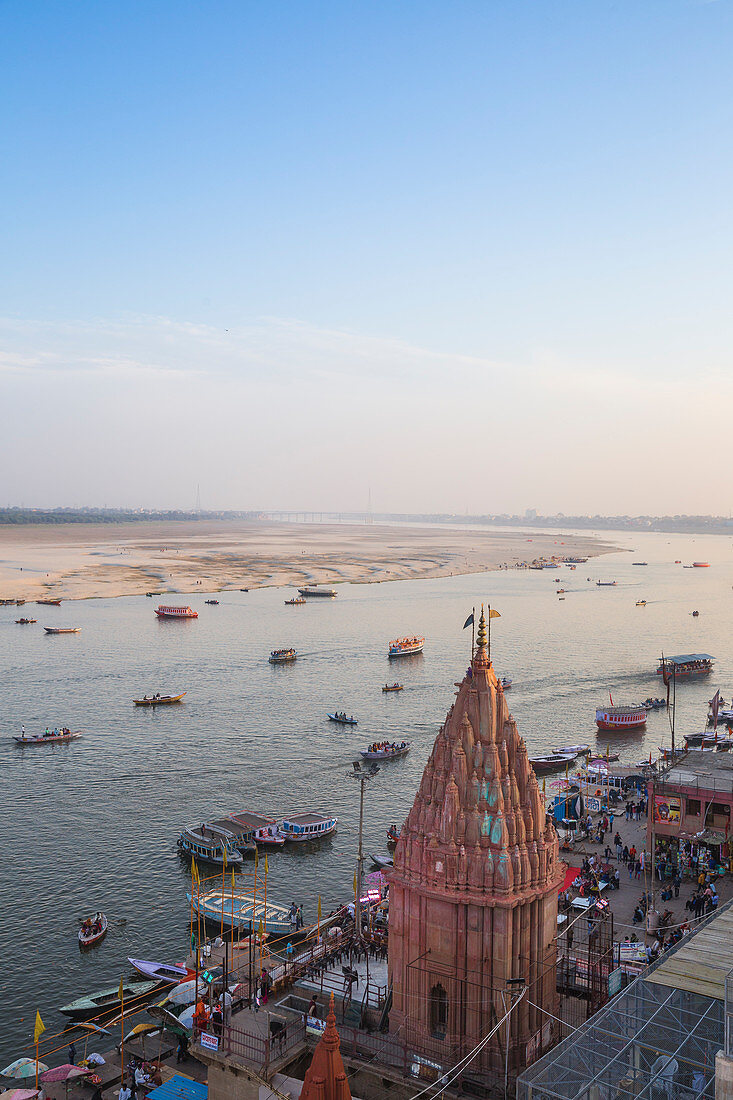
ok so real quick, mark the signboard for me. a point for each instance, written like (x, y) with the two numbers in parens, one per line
(209, 1042)
(312, 1023)
(615, 981)
(667, 809)
(631, 952)
(593, 804)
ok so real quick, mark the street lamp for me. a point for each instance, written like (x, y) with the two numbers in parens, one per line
(361, 773)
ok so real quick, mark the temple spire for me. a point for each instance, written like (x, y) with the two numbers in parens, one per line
(481, 639)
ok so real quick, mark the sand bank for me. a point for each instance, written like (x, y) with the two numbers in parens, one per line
(78, 561)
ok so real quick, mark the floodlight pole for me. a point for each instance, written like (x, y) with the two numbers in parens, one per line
(362, 775)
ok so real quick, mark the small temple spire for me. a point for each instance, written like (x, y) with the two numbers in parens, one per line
(325, 1078)
(481, 638)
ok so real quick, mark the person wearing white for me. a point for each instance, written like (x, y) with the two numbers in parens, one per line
(125, 1093)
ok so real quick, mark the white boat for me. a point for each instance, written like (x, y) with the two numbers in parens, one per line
(572, 750)
(315, 590)
(306, 825)
(207, 842)
(164, 612)
(402, 647)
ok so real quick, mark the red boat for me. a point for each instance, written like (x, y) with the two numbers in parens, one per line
(176, 613)
(93, 930)
(620, 718)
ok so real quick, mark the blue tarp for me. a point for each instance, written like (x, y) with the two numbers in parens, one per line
(180, 1088)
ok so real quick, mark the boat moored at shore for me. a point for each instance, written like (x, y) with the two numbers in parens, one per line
(208, 842)
(108, 1000)
(307, 825)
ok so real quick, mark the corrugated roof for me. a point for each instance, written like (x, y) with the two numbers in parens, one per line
(683, 658)
(702, 964)
(180, 1088)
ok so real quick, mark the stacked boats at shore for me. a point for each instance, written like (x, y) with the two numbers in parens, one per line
(229, 839)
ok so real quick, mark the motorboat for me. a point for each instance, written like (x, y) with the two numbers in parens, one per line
(282, 656)
(212, 603)
(316, 590)
(620, 717)
(641, 603)
(403, 647)
(296, 601)
(93, 930)
(551, 762)
(62, 629)
(506, 683)
(159, 700)
(208, 842)
(389, 752)
(343, 720)
(108, 1000)
(161, 972)
(307, 825)
(685, 666)
(164, 612)
(49, 738)
(25, 622)
(393, 687)
(606, 584)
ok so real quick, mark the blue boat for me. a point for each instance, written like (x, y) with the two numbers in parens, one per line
(343, 719)
(243, 910)
(206, 843)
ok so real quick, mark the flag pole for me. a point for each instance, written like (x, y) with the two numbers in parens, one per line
(223, 872)
(122, 1035)
(489, 638)
(36, 1062)
(473, 631)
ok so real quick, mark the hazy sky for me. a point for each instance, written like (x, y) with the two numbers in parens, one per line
(470, 255)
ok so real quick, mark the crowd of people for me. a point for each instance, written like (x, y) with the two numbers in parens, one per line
(387, 746)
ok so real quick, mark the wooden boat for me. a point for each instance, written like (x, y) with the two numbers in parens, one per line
(93, 930)
(606, 584)
(551, 762)
(392, 836)
(107, 1000)
(382, 862)
(176, 612)
(295, 602)
(390, 753)
(403, 647)
(50, 603)
(59, 737)
(307, 825)
(639, 563)
(25, 622)
(242, 909)
(314, 590)
(572, 750)
(641, 603)
(206, 842)
(695, 614)
(343, 720)
(685, 666)
(159, 700)
(282, 656)
(393, 687)
(162, 972)
(506, 683)
(62, 629)
(701, 565)
(561, 591)
(212, 603)
(620, 718)
(270, 836)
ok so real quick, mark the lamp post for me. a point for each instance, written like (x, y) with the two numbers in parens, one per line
(362, 773)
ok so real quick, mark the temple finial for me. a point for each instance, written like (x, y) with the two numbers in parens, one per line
(481, 637)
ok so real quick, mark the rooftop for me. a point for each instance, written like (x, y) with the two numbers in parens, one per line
(707, 770)
(685, 658)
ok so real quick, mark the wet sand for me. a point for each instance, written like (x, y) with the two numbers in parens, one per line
(83, 561)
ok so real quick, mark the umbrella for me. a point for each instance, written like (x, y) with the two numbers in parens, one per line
(23, 1067)
(18, 1094)
(67, 1072)
(185, 993)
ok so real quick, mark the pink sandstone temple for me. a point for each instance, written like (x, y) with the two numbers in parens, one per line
(473, 894)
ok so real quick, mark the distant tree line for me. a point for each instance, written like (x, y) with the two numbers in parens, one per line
(12, 516)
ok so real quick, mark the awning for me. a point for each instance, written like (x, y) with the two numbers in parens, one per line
(180, 1088)
(570, 876)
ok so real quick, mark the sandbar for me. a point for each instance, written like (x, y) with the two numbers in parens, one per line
(85, 561)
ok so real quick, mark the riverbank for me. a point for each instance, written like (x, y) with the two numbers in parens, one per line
(129, 559)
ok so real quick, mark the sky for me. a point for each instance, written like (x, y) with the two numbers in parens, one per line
(458, 256)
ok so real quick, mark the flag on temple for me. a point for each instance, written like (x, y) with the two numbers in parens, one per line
(494, 614)
(469, 621)
(39, 1028)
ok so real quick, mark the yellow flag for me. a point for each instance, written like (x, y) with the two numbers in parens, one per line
(494, 614)
(224, 854)
(265, 862)
(354, 883)
(257, 858)
(121, 990)
(319, 906)
(194, 870)
(232, 880)
(39, 1028)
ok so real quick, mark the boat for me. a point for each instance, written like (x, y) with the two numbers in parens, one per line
(701, 565)
(641, 603)
(281, 656)
(314, 590)
(342, 719)
(25, 622)
(165, 612)
(382, 862)
(653, 704)
(393, 687)
(392, 836)
(640, 563)
(695, 614)
(401, 647)
(93, 930)
(561, 591)
(270, 836)
(159, 700)
(62, 629)
(506, 683)
(50, 603)
(55, 738)
(243, 909)
(620, 718)
(307, 825)
(572, 750)
(207, 842)
(606, 584)
(391, 752)
(295, 602)
(551, 762)
(107, 1000)
(162, 972)
(685, 666)
(212, 603)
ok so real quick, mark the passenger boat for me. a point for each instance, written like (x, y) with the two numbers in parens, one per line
(620, 718)
(506, 683)
(393, 687)
(685, 666)
(701, 565)
(107, 1000)
(50, 603)
(402, 647)
(93, 930)
(162, 972)
(159, 700)
(343, 720)
(207, 842)
(242, 909)
(606, 584)
(641, 603)
(295, 602)
(62, 629)
(212, 603)
(25, 622)
(388, 753)
(55, 738)
(281, 656)
(552, 762)
(308, 825)
(315, 590)
(164, 612)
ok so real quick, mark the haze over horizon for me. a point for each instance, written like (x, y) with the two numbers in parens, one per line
(468, 256)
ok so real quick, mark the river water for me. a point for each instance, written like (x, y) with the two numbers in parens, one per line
(93, 825)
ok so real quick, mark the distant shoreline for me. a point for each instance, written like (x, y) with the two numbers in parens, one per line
(73, 561)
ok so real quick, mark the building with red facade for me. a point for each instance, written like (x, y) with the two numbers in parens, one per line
(689, 816)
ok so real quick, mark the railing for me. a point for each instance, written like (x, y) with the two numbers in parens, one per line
(729, 1014)
(261, 1050)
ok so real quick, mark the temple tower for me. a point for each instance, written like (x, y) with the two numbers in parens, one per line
(473, 893)
(325, 1078)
